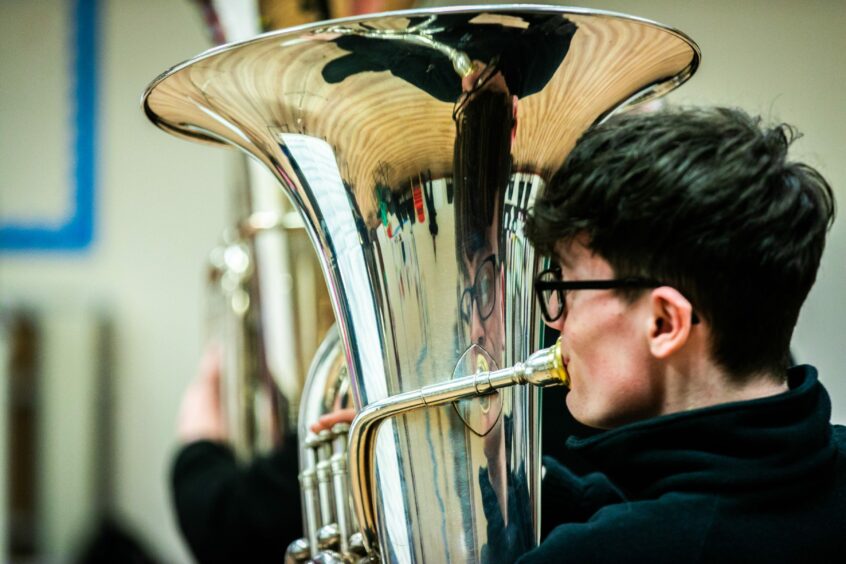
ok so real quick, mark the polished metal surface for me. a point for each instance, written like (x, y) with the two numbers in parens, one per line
(326, 390)
(327, 517)
(413, 175)
(543, 368)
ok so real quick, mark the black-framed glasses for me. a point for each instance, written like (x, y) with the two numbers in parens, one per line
(483, 291)
(551, 290)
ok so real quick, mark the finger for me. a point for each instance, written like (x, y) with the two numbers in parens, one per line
(331, 419)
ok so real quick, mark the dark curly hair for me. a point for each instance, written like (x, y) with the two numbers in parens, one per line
(704, 200)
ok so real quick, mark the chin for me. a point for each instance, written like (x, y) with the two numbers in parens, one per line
(584, 416)
(596, 423)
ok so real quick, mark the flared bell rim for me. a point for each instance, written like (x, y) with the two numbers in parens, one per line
(649, 93)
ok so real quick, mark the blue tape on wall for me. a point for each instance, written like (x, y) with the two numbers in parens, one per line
(77, 232)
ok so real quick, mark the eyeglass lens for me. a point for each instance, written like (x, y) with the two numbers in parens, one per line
(482, 291)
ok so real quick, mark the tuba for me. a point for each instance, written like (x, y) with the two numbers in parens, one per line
(413, 144)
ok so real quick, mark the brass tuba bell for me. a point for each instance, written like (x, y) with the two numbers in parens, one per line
(413, 145)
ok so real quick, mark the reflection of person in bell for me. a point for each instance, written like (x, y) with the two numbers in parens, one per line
(481, 316)
(485, 118)
(486, 121)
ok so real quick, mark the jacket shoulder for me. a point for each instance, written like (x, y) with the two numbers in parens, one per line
(631, 532)
(838, 433)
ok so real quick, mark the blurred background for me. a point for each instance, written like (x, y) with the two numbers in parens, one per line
(106, 225)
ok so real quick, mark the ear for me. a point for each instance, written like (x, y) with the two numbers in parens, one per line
(670, 321)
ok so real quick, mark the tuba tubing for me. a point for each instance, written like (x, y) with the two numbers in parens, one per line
(413, 145)
(543, 368)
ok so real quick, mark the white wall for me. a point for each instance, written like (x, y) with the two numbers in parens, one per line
(69, 412)
(161, 205)
(160, 210)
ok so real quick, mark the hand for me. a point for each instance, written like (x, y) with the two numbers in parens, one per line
(331, 419)
(200, 415)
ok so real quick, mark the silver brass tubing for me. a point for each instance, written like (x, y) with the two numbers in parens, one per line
(341, 490)
(324, 488)
(310, 495)
(311, 443)
(340, 431)
(543, 368)
(324, 477)
(340, 482)
(420, 34)
(297, 552)
(329, 557)
(324, 448)
(328, 538)
(308, 486)
(357, 545)
(321, 447)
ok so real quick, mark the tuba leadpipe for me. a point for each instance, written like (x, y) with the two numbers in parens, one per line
(414, 177)
(543, 368)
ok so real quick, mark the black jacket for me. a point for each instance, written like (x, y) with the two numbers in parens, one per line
(754, 481)
(232, 513)
(228, 512)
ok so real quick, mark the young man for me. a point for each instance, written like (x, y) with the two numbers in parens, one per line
(684, 243)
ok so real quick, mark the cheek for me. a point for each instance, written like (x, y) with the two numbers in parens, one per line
(608, 370)
(604, 345)
(606, 399)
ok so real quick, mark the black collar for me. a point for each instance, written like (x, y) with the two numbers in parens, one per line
(739, 445)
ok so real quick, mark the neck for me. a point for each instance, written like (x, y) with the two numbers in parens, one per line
(708, 385)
